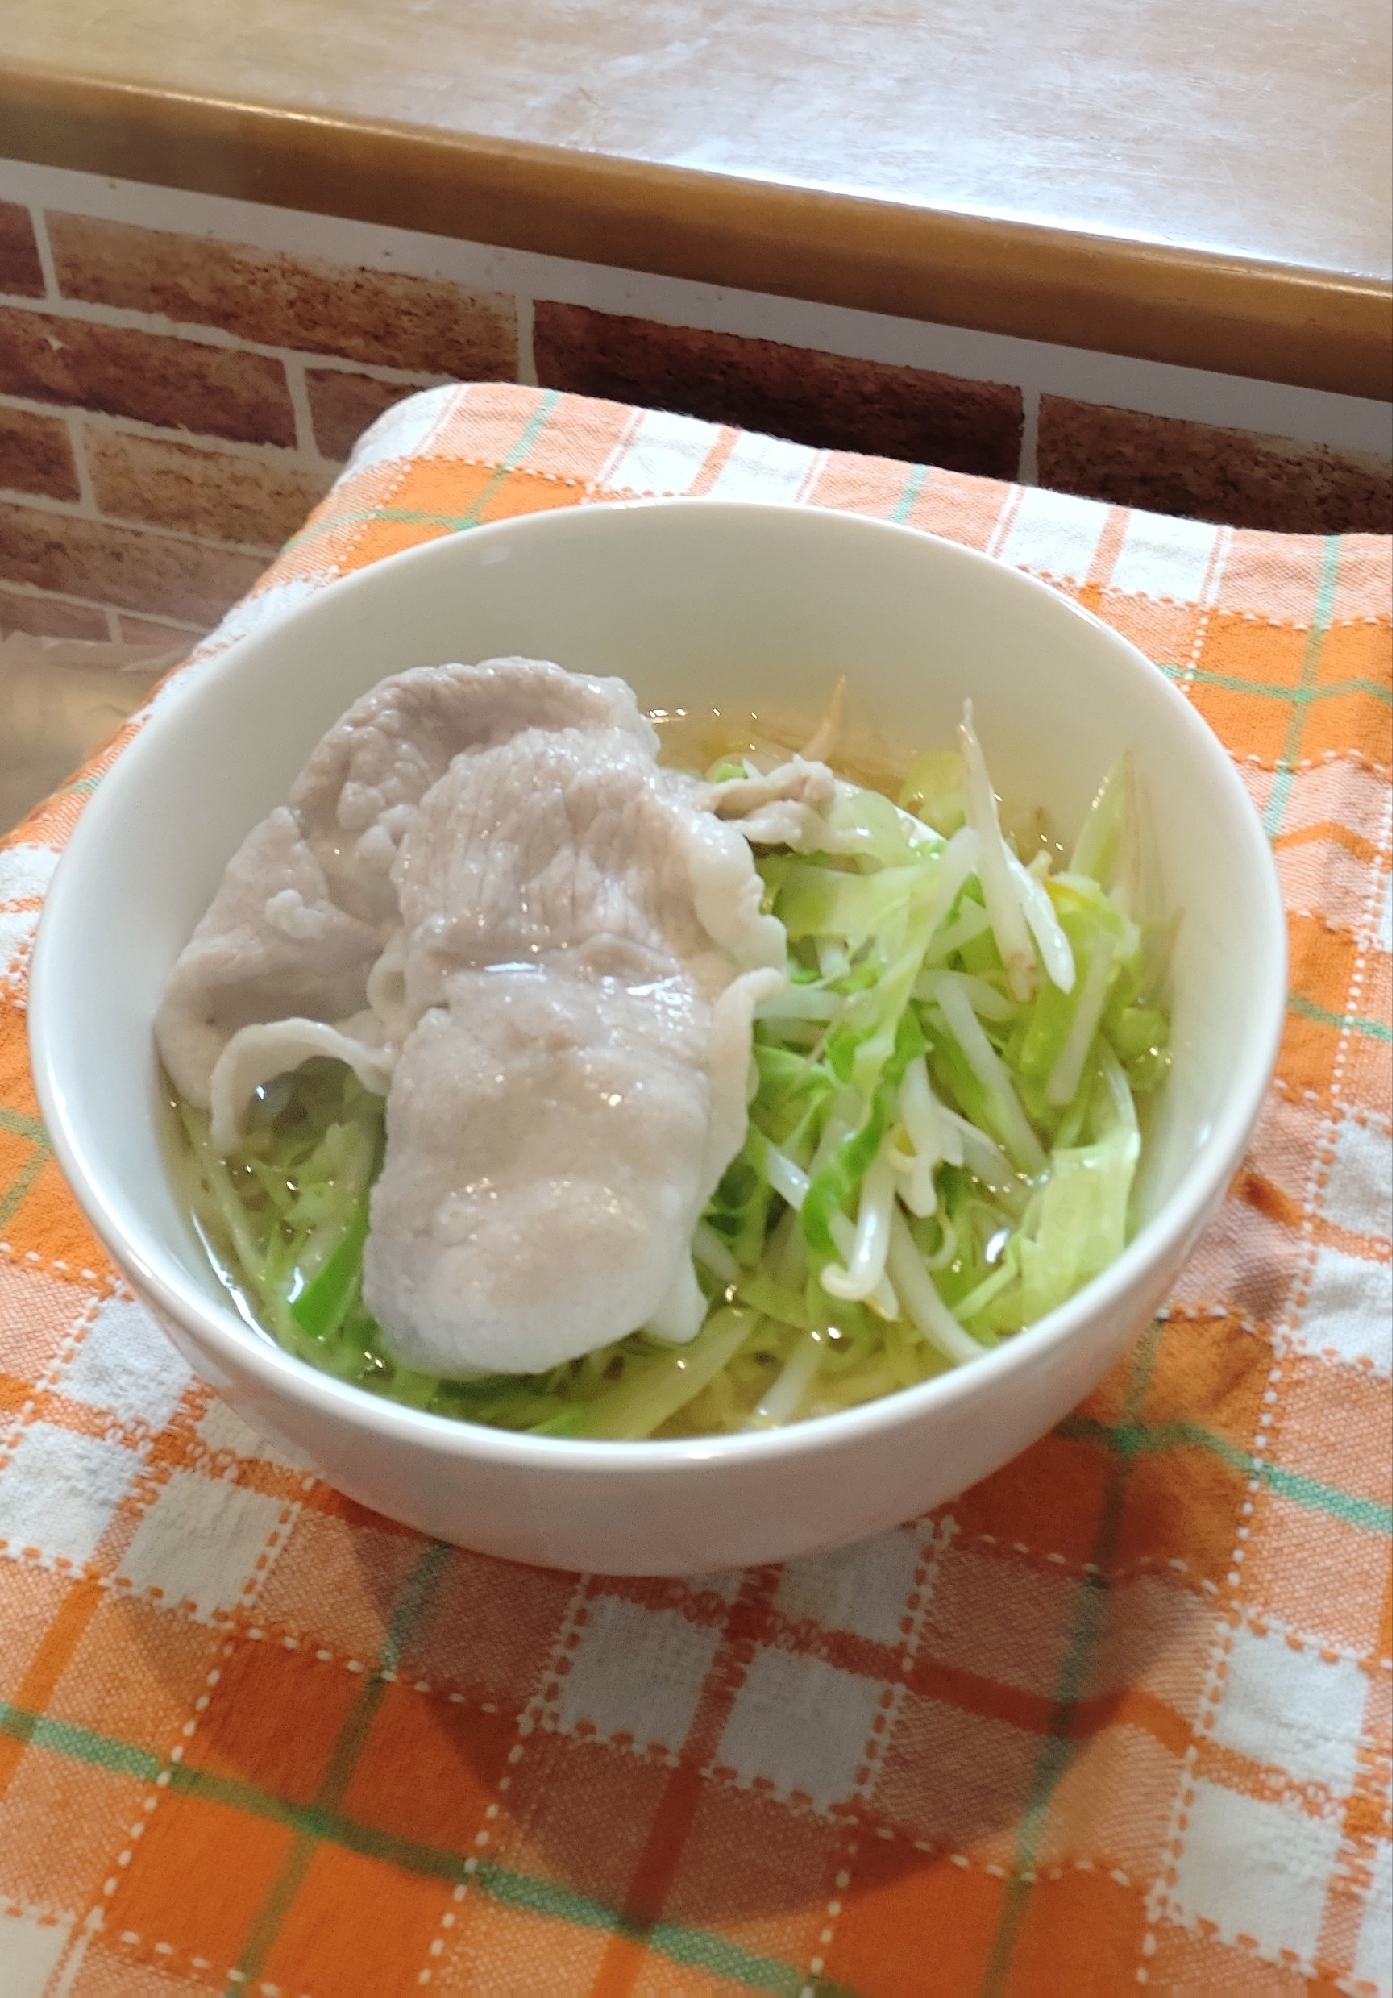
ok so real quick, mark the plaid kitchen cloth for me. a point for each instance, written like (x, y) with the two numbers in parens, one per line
(1119, 1716)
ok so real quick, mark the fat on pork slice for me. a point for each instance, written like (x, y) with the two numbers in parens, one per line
(487, 896)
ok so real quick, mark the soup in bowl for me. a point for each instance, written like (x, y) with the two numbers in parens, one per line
(731, 625)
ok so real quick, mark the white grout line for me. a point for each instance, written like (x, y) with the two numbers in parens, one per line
(43, 503)
(39, 222)
(77, 438)
(273, 455)
(169, 624)
(73, 510)
(1029, 472)
(13, 587)
(527, 358)
(124, 319)
(305, 443)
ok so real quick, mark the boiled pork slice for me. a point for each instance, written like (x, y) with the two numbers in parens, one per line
(307, 907)
(487, 896)
(576, 1084)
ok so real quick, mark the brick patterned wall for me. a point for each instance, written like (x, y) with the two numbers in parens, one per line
(172, 405)
(1169, 466)
(1164, 464)
(819, 399)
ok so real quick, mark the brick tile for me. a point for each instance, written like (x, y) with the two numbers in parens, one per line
(795, 392)
(261, 501)
(1208, 473)
(386, 317)
(50, 617)
(213, 390)
(343, 406)
(146, 631)
(35, 455)
(131, 568)
(20, 269)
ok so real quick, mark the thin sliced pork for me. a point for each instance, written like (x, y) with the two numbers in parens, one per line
(488, 897)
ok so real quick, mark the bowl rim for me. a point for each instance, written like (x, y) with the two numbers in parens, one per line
(244, 1351)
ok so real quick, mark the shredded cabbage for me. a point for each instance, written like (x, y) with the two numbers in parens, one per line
(942, 1143)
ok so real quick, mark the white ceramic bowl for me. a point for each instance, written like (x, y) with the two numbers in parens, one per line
(695, 604)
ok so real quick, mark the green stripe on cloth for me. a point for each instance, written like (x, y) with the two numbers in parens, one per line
(1301, 697)
(1310, 667)
(78, 1744)
(419, 1588)
(81, 787)
(20, 1126)
(1134, 1439)
(414, 517)
(511, 460)
(15, 1194)
(454, 523)
(904, 505)
(1354, 1023)
(401, 516)
(1055, 1752)
(317, 1822)
(696, 1948)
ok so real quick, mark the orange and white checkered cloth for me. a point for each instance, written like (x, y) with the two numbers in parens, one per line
(1119, 1716)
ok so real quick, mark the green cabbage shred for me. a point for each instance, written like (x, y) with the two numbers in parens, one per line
(899, 1037)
